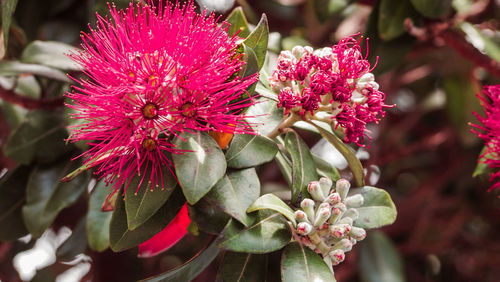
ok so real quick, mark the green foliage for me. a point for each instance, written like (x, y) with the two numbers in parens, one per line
(207, 217)
(49, 53)
(377, 210)
(392, 14)
(238, 22)
(8, 8)
(13, 68)
(75, 244)
(299, 263)
(265, 115)
(250, 150)
(257, 40)
(243, 267)
(272, 202)
(12, 198)
(432, 8)
(97, 225)
(326, 9)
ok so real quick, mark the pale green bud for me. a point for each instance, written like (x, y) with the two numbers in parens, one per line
(315, 190)
(326, 185)
(301, 216)
(357, 233)
(354, 201)
(333, 198)
(337, 256)
(337, 211)
(342, 187)
(304, 228)
(307, 206)
(339, 230)
(322, 216)
(346, 220)
(344, 245)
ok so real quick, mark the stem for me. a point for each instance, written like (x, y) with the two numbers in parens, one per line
(322, 247)
(286, 122)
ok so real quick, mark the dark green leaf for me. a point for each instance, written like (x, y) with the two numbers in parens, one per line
(325, 169)
(432, 8)
(269, 232)
(12, 198)
(248, 150)
(272, 202)
(348, 153)
(481, 167)
(49, 53)
(257, 40)
(238, 22)
(207, 217)
(325, 9)
(14, 68)
(8, 8)
(142, 202)
(41, 135)
(303, 168)
(392, 15)
(97, 220)
(189, 270)
(241, 267)
(285, 167)
(46, 195)
(200, 167)
(120, 238)
(251, 65)
(377, 210)
(265, 116)
(379, 260)
(299, 263)
(75, 244)
(235, 192)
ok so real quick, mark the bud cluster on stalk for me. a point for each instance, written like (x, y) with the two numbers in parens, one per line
(325, 222)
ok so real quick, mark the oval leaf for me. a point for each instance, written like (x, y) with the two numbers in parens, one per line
(325, 169)
(12, 198)
(248, 150)
(303, 168)
(269, 232)
(8, 8)
(257, 40)
(75, 244)
(272, 202)
(14, 68)
(264, 115)
(392, 14)
(200, 167)
(97, 224)
(299, 263)
(241, 267)
(432, 8)
(208, 217)
(378, 209)
(235, 192)
(49, 53)
(238, 23)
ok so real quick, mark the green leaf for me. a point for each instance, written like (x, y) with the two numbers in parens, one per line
(392, 15)
(12, 198)
(200, 167)
(379, 260)
(272, 202)
(299, 263)
(192, 268)
(265, 115)
(120, 238)
(207, 217)
(481, 167)
(257, 40)
(285, 167)
(269, 232)
(348, 153)
(482, 42)
(49, 53)
(8, 8)
(98, 221)
(241, 267)
(142, 201)
(238, 22)
(432, 8)
(378, 209)
(14, 68)
(235, 192)
(75, 244)
(248, 150)
(325, 9)
(325, 169)
(251, 65)
(41, 135)
(303, 168)
(291, 41)
(46, 195)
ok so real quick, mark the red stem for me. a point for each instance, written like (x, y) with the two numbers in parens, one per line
(30, 103)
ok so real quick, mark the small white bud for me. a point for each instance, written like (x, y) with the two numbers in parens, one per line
(354, 201)
(333, 198)
(297, 51)
(340, 230)
(337, 212)
(357, 233)
(308, 49)
(326, 185)
(304, 228)
(307, 206)
(301, 216)
(337, 256)
(342, 187)
(315, 190)
(322, 216)
(344, 245)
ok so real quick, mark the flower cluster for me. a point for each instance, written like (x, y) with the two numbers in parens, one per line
(489, 131)
(154, 72)
(326, 221)
(331, 84)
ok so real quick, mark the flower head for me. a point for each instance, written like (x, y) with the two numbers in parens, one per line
(154, 72)
(336, 81)
(489, 131)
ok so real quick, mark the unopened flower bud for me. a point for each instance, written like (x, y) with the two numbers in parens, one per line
(342, 187)
(315, 190)
(304, 228)
(297, 51)
(344, 245)
(352, 213)
(301, 216)
(337, 211)
(337, 256)
(308, 206)
(346, 220)
(357, 233)
(340, 230)
(333, 198)
(322, 216)
(326, 185)
(354, 201)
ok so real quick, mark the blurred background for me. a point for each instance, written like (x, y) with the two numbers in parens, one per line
(433, 57)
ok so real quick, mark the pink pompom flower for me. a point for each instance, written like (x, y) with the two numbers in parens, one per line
(489, 131)
(152, 73)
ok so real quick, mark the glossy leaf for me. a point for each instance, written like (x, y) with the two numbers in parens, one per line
(269, 232)
(272, 202)
(242, 267)
(481, 167)
(264, 115)
(46, 195)
(257, 40)
(49, 53)
(189, 270)
(41, 135)
(97, 225)
(208, 217)
(299, 263)
(235, 192)
(238, 22)
(285, 167)
(14, 68)
(142, 202)
(251, 65)
(354, 163)
(75, 244)
(432, 8)
(303, 168)
(392, 15)
(200, 167)
(8, 8)
(379, 260)
(325, 169)
(378, 209)
(12, 198)
(122, 239)
(325, 9)
(248, 150)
